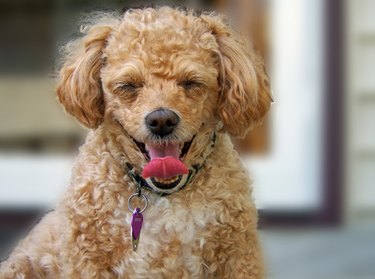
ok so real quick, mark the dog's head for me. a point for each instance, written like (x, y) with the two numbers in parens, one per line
(164, 75)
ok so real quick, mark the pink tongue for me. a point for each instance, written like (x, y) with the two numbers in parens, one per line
(164, 162)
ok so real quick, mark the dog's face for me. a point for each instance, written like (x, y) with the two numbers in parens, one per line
(159, 81)
(165, 76)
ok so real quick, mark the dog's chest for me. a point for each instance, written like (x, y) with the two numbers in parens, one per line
(171, 240)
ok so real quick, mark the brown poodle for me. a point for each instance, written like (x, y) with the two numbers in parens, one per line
(161, 90)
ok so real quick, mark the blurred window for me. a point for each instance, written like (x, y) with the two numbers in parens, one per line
(289, 176)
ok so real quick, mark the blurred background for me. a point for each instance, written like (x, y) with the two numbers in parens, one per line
(312, 161)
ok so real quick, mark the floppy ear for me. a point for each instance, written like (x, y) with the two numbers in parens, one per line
(245, 96)
(79, 89)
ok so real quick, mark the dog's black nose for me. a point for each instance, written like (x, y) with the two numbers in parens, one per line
(162, 122)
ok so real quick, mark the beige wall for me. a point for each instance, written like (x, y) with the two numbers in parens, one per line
(29, 107)
(360, 109)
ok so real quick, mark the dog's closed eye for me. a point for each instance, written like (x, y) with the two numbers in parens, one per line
(128, 87)
(131, 86)
(190, 84)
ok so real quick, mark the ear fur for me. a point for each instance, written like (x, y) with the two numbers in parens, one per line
(79, 88)
(245, 96)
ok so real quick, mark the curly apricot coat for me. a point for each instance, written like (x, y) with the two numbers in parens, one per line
(120, 70)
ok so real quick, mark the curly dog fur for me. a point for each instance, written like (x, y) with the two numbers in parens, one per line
(120, 70)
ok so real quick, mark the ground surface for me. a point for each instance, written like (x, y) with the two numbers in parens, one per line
(320, 254)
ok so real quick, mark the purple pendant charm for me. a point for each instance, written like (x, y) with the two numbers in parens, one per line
(137, 218)
(136, 223)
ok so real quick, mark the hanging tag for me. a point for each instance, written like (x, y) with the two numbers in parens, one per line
(136, 223)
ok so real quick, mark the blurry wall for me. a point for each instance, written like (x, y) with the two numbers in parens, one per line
(38, 141)
(360, 110)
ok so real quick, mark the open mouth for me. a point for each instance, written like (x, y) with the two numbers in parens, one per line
(165, 168)
(184, 149)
